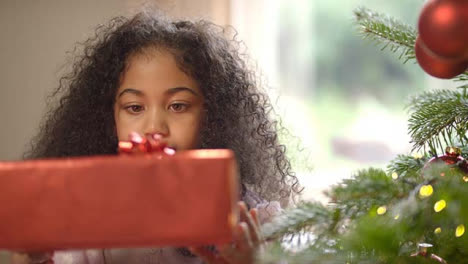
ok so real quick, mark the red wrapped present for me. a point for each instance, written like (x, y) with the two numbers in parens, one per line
(119, 201)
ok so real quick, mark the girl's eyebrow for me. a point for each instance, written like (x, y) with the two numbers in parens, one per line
(180, 89)
(132, 91)
(169, 91)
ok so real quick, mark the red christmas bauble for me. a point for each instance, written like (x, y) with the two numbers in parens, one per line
(443, 27)
(423, 251)
(452, 157)
(435, 66)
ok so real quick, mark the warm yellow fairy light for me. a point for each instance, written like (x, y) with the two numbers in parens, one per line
(460, 230)
(465, 178)
(426, 191)
(397, 216)
(381, 210)
(394, 175)
(437, 230)
(417, 155)
(439, 206)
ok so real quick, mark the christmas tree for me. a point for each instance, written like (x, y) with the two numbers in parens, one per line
(415, 211)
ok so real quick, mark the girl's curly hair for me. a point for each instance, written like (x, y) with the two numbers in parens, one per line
(238, 115)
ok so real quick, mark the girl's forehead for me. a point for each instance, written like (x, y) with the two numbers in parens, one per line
(150, 58)
(155, 70)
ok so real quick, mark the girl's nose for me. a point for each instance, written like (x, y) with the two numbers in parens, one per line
(156, 124)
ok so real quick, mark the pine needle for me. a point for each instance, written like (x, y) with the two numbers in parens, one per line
(407, 168)
(395, 35)
(296, 219)
(437, 118)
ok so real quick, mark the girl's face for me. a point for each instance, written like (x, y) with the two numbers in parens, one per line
(155, 96)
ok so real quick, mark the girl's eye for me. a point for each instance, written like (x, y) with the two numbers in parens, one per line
(134, 109)
(178, 107)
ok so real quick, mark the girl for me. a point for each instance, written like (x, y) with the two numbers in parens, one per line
(186, 82)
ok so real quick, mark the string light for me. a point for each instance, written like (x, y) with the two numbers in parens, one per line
(439, 206)
(426, 191)
(381, 210)
(460, 230)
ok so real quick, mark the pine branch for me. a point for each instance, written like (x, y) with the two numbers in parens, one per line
(366, 190)
(277, 254)
(388, 31)
(388, 236)
(296, 219)
(438, 119)
(406, 168)
(463, 78)
(414, 219)
(354, 197)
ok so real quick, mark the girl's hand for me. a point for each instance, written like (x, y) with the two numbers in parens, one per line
(247, 241)
(31, 258)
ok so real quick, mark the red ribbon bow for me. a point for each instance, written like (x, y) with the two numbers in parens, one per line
(149, 144)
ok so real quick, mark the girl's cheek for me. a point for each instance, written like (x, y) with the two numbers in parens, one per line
(129, 125)
(124, 125)
(193, 138)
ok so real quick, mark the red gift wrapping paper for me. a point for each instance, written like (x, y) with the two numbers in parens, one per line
(187, 199)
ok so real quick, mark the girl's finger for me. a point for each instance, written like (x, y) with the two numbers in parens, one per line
(227, 251)
(207, 255)
(254, 215)
(32, 257)
(254, 228)
(242, 237)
